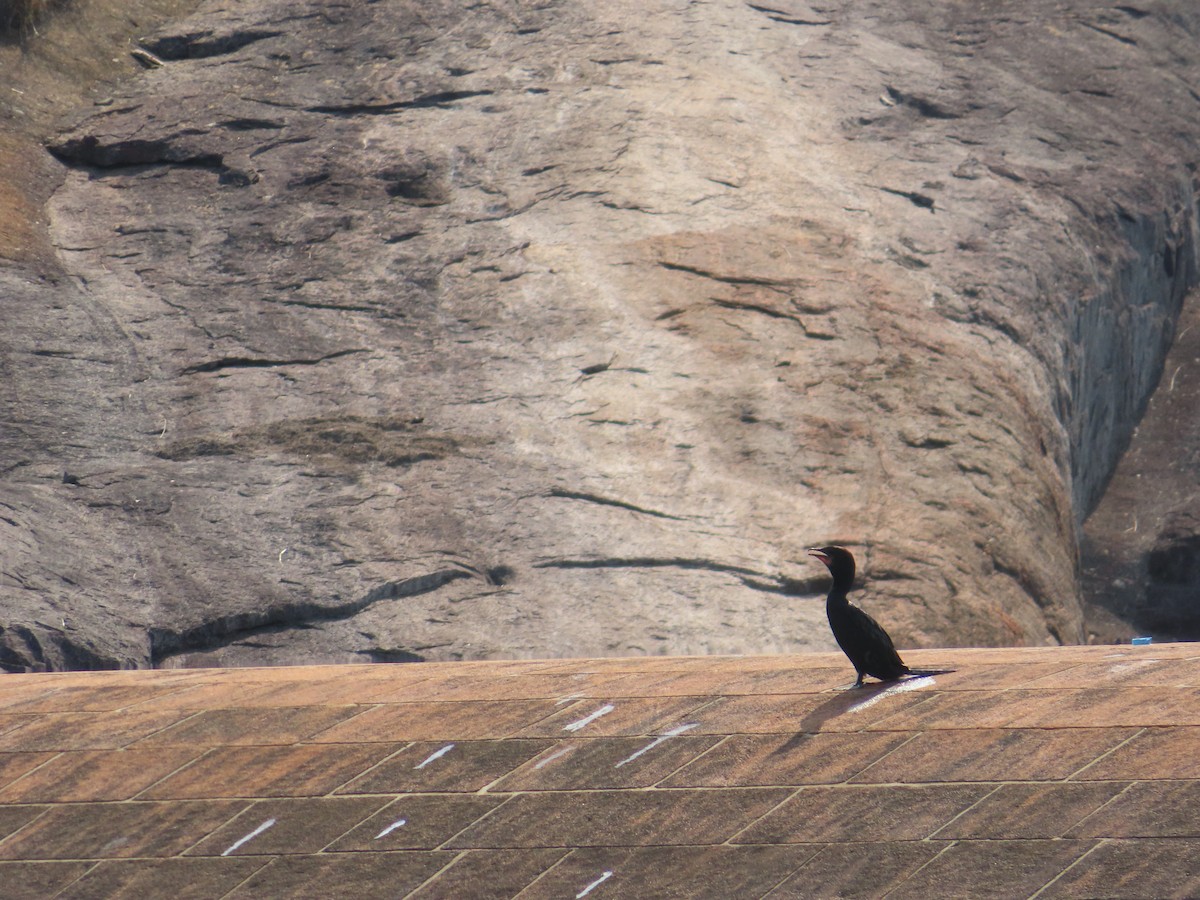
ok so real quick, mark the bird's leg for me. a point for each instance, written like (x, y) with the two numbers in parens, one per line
(859, 683)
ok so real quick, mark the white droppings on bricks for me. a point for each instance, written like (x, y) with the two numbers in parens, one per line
(911, 684)
(658, 740)
(589, 719)
(399, 823)
(553, 756)
(595, 884)
(436, 754)
(249, 837)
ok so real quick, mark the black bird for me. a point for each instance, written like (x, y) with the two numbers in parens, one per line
(860, 637)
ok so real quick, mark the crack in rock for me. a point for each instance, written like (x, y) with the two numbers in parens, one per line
(227, 629)
(605, 501)
(1109, 33)
(755, 307)
(242, 362)
(726, 279)
(778, 15)
(204, 44)
(439, 100)
(921, 105)
(922, 200)
(89, 150)
(647, 562)
(751, 578)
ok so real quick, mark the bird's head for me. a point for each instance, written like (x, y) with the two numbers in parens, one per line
(839, 561)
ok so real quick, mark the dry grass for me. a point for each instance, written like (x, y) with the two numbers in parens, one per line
(22, 222)
(20, 17)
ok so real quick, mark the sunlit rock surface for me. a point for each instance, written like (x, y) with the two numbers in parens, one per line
(411, 331)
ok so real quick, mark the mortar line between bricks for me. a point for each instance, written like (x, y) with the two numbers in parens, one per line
(961, 813)
(364, 708)
(913, 736)
(435, 875)
(39, 766)
(681, 718)
(1107, 753)
(180, 688)
(503, 803)
(81, 876)
(919, 869)
(163, 728)
(357, 824)
(551, 743)
(1105, 804)
(204, 837)
(835, 785)
(712, 699)
(549, 715)
(728, 842)
(267, 860)
(677, 789)
(649, 695)
(332, 792)
(873, 729)
(699, 756)
(260, 799)
(1090, 850)
(558, 862)
(688, 845)
(176, 771)
(790, 873)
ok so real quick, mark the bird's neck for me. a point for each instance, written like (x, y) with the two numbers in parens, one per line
(837, 598)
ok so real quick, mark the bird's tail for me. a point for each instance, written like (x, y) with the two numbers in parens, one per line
(925, 673)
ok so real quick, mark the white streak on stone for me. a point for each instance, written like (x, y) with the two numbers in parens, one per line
(910, 684)
(595, 884)
(437, 754)
(391, 828)
(553, 756)
(658, 740)
(567, 699)
(1122, 669)
(588, 720)
(113, 845)
(251, 836)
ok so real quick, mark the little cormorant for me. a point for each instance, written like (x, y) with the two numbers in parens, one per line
(860, 637)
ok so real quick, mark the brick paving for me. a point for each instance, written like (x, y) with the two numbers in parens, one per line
(1066, 772)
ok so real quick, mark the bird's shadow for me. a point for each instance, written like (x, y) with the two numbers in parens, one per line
(843, 700)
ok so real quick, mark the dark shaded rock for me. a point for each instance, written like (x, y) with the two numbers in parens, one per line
(1139, 564)
(204, 44)
(46, 648)
(1175, 559)
(606, 311)
(89, 151)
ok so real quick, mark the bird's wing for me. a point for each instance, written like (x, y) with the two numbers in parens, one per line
(869, 626)
(881, 656)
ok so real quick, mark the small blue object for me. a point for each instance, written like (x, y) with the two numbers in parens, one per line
(1142, 642)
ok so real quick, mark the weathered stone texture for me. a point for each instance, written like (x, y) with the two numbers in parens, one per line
(411, 330)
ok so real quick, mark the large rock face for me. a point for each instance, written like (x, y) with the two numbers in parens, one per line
(411, 330)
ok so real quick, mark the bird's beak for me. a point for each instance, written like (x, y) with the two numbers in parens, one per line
(819, 554)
